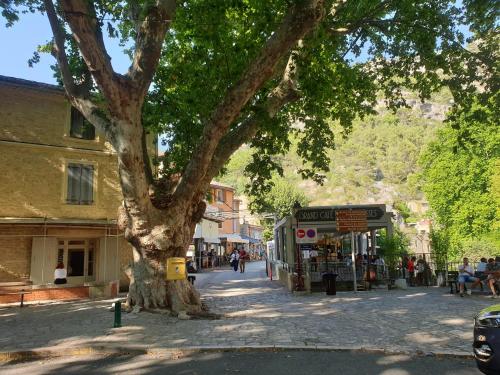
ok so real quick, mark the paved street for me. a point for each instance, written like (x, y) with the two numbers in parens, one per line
(277, 363)
(257, 313)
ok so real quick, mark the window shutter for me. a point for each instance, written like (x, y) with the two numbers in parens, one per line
(74, 172)
(80, 127)
(76, 124)
(224, 197)
(87, 184)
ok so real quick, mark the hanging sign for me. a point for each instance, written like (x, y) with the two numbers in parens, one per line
(351, 220)
(306, 235)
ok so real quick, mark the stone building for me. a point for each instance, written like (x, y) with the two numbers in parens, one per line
(59, 191)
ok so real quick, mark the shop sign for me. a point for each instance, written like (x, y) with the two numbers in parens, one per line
(352, 220)
(306, 235)
(329, 214)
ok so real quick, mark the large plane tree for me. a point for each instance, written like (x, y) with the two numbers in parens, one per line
(232, 72)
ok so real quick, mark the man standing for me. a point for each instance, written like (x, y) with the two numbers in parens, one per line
(465, 275)
(493, 272)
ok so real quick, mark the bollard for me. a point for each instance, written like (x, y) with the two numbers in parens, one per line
(118, 315)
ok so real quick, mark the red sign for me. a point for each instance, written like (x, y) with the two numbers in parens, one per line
(301, 233)
(351, 220)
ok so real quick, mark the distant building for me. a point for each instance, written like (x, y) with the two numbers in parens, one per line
(253, 233)
(225, 205)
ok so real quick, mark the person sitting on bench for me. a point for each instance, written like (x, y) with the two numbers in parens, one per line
(493, 272)
(60, 274)
(465, 275)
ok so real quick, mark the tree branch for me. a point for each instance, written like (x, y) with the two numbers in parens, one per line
(286, 92)
(149, 41)
(79, 96)
(301, 18)
(58, 50)
(81, 17)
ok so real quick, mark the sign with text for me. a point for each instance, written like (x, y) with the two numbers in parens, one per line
(306, 235)
(351, 220)
(330, 214)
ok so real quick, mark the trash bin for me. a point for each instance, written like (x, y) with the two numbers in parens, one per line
(329, 279)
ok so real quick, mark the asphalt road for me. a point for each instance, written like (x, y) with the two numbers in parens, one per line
(255, 362)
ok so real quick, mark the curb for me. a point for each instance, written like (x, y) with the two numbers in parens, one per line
(176, 353)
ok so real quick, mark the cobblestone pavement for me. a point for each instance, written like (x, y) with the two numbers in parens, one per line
(257, 313)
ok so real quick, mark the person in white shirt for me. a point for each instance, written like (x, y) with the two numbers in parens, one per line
(235, 257)
(465, 275)
(480, 271)
(481, 266)
(313, 254)
(60, 274)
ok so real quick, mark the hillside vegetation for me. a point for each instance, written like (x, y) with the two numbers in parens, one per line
(377, 162)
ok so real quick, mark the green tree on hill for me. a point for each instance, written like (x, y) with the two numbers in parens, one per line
(460, 175)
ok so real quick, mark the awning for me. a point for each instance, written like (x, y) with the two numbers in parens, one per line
(250, 239)
(236, 238)
(211, 240)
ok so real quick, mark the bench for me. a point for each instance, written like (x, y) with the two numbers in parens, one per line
(453, 282)
(16, 288)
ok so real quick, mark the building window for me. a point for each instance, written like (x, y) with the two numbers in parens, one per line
(80, 127)
(221, 195)
(80, 184)
(220, 225)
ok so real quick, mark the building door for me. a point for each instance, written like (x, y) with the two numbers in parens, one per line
(78, 256)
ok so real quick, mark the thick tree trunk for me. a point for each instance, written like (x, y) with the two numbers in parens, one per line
(150, 289)
(156, 230)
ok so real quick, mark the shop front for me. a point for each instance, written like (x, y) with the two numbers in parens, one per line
(94, 254)
(206, 249)
(337, 239)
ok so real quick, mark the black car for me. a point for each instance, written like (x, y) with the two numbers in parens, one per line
(487, 340)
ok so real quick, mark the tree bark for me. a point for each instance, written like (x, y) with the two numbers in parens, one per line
(156, 234)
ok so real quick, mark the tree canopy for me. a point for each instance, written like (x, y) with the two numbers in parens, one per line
(460, 172)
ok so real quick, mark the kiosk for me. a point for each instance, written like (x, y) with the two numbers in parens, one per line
(315, 241)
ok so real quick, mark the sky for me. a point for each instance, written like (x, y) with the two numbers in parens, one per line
(21, 40)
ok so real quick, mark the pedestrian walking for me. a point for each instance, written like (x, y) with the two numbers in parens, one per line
(234, 260)
(243, 258)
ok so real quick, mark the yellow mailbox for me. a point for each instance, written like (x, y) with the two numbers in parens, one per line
(176, 268)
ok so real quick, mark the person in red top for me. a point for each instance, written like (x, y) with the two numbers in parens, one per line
(243, 258)
(411, 270)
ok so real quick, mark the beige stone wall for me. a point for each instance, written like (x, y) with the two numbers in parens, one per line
(39, 116)
(34, 159)
(34, 183)
(15, 251)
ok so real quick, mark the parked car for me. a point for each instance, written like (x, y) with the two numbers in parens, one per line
(487, 340)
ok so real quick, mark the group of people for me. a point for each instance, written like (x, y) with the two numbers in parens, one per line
(416, 271)
(239, 257)
(487, 271)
